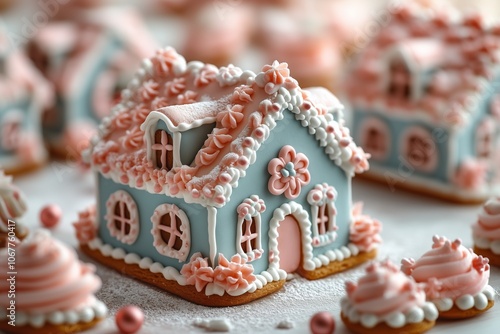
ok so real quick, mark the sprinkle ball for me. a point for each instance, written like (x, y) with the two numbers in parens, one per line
(322, 323)
(129, 319)
(50, 215)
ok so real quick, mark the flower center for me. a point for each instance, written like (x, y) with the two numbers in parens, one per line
(288, 170)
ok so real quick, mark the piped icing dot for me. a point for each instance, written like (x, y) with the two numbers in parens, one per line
(452, 274)
(385, 294)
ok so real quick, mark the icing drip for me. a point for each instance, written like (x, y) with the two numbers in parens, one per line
(449, 270)
(385, 294)
(486, 231)
(51, 281)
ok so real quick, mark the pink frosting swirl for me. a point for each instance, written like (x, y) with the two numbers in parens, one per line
(449, 270)
(488, 223)
(49, 277)
(383, 290)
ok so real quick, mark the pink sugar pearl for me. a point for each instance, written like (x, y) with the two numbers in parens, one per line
(129, 319)
(50, 215)
(322, 323)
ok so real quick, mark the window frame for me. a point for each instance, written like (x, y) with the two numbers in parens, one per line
(323, 195)
(159, 243)
(161, 147)
(486, 124)
(383, 128)
(133, 221)
(12, 117)
(433, 163)
(250, 210)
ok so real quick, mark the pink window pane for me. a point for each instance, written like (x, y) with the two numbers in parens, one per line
(163, 150)
(322, 219)
(249, 237)
(10, 135)
(399, 80)
(170, 227)
(121, 218)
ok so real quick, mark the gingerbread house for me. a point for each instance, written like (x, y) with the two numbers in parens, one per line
(426, 104)
(218, 183)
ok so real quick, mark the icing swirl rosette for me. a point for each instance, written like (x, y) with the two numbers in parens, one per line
(386, 296)
(486, 231)
(51, 284)
(453, 275)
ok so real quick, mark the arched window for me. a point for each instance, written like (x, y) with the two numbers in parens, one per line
(248, 235)
(485, 134)
(375, 138)
(419, 149)
(171, 231)
(323, 213)
(399, 80)
(122, 217)
(11, 130)
(163, 150)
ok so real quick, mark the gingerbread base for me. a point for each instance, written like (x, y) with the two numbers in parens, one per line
(383, 328)
(413, 188)
(338, 266)
(494, 258)
(25, 168)
(48, 328)
(187, 292)
(456, 313)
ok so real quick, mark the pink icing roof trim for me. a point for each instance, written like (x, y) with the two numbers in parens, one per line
(465, 54)
(252, 106)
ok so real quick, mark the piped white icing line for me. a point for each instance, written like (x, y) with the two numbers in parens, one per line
(414, 315)
(467, 302)
(96, 310)
(310, 262)
(172, 274)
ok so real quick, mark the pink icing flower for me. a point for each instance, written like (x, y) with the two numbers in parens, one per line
(197, 272)
(242, 94)
(233, 275)
(219, 138)
(163, 60)
(133, 138)
(187, 98)
(365, 231)
(175, 87)
(123, 120)
(140, 113)
(276, 73)
(288, 173)
(231, 117)
(481, 264)
(149, 90)
(206, 75)
(471, 174)
(159, 102)
(85, 225)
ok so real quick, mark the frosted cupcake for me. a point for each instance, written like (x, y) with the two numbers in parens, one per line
(486, 231)
(54, 291)
(385, 300)
(456, 279)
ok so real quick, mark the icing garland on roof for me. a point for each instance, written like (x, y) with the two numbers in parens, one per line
(120, 154)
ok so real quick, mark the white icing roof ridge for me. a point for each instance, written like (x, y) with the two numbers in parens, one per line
(252, 104)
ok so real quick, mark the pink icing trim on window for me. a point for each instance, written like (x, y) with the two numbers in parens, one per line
(11, 130)
(420, 149)
(182, 233)
(249, 216)
(288, 173)
(164, 148)
(118, 204)
(197, 272)
(485, 138)
(85, 226)
(375, 138)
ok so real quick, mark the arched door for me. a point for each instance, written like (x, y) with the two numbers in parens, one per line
(289, 244)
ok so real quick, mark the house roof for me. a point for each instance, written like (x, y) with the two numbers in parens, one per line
(454, 61)
(248, 107)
